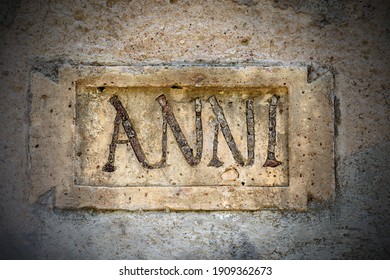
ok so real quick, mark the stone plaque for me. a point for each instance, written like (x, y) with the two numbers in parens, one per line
(182, 137)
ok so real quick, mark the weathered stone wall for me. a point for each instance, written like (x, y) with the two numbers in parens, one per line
(351, 38)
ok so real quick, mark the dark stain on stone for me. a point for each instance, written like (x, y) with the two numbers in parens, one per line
(110, 3)
(322, 12)
(176, 86)
(197, 78)
(242, 248)
(337, 115)
(245, 41)
(8, 10)
(248, 3)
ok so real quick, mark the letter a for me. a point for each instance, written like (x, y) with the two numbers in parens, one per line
(123, 117)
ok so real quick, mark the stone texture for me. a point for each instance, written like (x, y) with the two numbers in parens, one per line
(349, 37)
(76, 119)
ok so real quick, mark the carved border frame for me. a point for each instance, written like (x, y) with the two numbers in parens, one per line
(310, 132)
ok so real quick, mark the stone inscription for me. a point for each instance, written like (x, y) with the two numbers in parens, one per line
(169, 117)
(182, 137)
(173, 136)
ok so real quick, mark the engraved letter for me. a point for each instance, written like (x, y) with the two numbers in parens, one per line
(221, 121)
(123, 117)
(271, 159)
(177, 132)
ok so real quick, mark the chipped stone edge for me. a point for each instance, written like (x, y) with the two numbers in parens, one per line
(293, 197)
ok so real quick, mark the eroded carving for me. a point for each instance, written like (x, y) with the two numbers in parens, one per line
(193, 160)
(218, 111)
(123, 117)
(169, 116)
(271, 160)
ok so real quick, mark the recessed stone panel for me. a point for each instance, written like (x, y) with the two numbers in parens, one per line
(182, 137)
(231, 153)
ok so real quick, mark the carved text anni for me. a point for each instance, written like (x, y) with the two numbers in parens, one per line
(192, 159)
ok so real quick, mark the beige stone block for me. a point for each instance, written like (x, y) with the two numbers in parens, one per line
(167, 124)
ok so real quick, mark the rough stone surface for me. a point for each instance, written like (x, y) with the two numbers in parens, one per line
(349, 37)
(79, 110)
